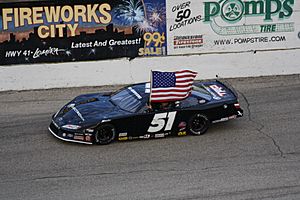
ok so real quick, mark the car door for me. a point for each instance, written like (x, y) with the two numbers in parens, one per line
(153, 124)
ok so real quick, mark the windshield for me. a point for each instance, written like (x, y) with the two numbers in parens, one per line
(126, 100)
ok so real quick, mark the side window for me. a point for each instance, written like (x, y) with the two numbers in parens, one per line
(166, 106)
(145, 109)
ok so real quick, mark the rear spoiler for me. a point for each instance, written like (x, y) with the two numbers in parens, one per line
(228, 86)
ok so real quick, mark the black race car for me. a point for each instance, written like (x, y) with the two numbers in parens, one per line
(101, 118)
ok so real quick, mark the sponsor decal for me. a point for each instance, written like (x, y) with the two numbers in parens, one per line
(123, 138)
(232, 117)
(221, 120)
(216, 97)
(192, 41)
(132, 138)
(135, 92)
(89, 130)
(181, 133)
(70, 135)
(182, 126)
(88, 138)
(233, 11)
(122, 134)
(167, 133)
(71, 126)
(79, 137)
(160, 135)
(147, 136)
(225, 119)
(219, 90)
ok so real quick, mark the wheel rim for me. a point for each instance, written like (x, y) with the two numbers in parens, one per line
(198, 124)
(104, 134)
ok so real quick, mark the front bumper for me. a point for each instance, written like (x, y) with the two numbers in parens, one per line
(68, 136)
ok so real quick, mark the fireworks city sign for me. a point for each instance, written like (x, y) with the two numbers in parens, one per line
(47, 31)
(232, 25)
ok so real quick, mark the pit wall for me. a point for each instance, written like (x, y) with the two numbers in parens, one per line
(94, 43)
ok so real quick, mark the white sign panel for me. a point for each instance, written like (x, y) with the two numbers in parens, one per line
(196, 26)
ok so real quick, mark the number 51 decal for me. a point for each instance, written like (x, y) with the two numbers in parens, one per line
(159, 122)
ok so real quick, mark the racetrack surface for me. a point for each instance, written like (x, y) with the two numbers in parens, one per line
(254, 157)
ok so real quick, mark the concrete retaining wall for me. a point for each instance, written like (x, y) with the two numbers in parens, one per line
(123, 71)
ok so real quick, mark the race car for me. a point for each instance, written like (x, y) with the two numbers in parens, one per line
(126, 114)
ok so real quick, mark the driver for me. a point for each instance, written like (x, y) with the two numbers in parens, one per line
(165, 105)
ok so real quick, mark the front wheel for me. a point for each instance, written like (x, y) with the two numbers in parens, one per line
(198, 124)
(105, 134)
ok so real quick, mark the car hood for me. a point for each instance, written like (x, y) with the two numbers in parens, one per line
(87, 110)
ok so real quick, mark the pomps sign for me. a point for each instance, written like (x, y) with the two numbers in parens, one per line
(269, 16)
(234, 10)
(52, 20)
(234, 26)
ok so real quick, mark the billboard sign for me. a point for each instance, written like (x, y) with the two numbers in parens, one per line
(232, 25)
(60, 31)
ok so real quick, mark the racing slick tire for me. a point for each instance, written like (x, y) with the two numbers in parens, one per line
(105, 134)
(198, 124)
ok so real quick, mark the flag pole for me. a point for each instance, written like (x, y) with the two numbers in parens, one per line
(150, 87)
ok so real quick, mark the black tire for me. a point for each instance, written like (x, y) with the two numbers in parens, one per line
(198, 124)
(105, 134)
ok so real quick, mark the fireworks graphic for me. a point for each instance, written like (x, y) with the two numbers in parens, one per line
(129, 12)
(144, 27)
(156, 14)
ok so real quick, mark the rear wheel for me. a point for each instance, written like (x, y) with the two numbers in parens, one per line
(198, 124)
(105, 134)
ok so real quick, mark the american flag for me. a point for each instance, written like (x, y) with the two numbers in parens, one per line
(171, 86)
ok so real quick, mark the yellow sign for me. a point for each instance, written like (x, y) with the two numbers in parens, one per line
(56, 14)
(182, 133)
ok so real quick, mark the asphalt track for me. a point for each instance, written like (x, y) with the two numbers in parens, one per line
(254, 157)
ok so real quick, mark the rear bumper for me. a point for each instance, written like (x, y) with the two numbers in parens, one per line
(232, 115)
(67, 137)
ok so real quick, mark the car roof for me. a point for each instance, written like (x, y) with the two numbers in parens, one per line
(143, 89)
